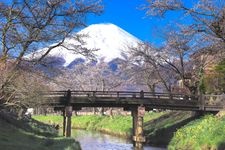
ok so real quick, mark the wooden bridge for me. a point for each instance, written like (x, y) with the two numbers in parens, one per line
(127, 99)
(136, 102)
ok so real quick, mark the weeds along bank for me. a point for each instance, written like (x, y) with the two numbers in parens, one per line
(25, 134)
(176, 130)
(159, 127)
(206, 133)
(117, 125)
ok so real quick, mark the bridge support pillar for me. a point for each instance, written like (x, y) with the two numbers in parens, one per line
(68, 114)
(138, 133)
(64, 122)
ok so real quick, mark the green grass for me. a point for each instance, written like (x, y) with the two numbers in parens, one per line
(205, 133)
(118, 125)
(49, 119)
(34, 137)
(165, 121)
(160, 131)
(174, 128)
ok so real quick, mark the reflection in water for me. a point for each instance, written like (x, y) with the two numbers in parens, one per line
(90, 140)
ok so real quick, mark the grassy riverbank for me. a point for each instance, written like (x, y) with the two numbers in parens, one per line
(161, 130)
(31, 135)
(207, 133)
(117, 125)
(159, 127)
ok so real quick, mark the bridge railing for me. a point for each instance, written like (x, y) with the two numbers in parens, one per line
(203, 102)
(214, 100)
(127, 94)
(122, 94)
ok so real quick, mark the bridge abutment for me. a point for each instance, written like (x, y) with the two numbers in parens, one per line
(138, 133)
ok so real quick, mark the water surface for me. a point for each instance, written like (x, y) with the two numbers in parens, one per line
(91, 140)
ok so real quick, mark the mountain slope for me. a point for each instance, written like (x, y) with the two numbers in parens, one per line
(110, 40)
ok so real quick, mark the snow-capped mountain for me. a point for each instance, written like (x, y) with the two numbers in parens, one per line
(110, 40)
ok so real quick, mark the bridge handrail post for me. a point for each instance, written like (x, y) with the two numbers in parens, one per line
(170, 96)
(201, 101)
(118, 94)
(94, 93)
(142, 94)
(68, 97)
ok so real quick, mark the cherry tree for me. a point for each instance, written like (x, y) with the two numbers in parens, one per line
(207, 17)
(177, 55)
(28, 25)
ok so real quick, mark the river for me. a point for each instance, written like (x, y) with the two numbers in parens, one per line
(91, 140)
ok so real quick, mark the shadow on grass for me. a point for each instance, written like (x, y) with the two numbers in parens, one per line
(160, 131)
(29, 125)
(221, 146)
(20, 134)
(43, 129)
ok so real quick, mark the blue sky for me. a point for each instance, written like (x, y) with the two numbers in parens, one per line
(125, 14)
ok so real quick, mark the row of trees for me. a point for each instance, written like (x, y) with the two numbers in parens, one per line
(88, 76)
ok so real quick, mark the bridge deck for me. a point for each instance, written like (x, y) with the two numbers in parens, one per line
(79, 99)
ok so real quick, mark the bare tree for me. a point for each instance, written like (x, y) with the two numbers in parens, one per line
(28, 25)
(146, 75)
(22, 90)
(207, 17)
(152, 63)
(205, 31)
(176, 62)
(167, 64)
(141, 72)
(91, 77)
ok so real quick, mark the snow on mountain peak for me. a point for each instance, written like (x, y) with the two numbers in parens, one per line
(110, 40)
